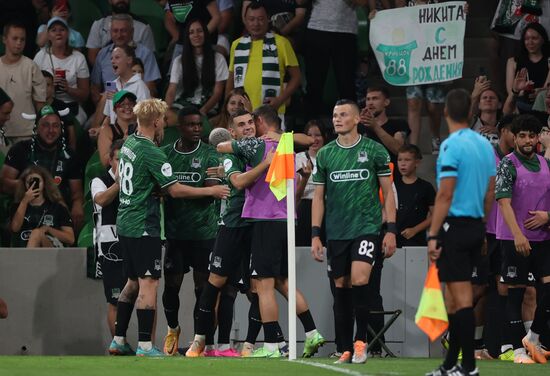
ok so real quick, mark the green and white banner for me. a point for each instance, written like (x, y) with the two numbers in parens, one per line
(420, 45)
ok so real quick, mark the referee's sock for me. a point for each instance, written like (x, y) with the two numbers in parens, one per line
(465, 321)
(343, 317)
(254, 319)
(171, 304)
(146, 318)
(361, 304)
(225, 314)
(542, 314)
(123, 315)
(516, 331)
(454, 343)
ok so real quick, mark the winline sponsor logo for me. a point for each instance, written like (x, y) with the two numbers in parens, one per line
(349, 175)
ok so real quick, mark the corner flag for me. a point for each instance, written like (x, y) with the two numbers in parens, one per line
(431, 316)
(282, 166)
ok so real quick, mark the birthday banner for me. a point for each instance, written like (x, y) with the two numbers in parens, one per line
(420, 45)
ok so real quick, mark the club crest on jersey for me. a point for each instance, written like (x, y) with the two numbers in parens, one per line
(362, 157)
(196, 163)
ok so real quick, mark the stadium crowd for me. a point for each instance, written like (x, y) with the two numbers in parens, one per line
(95, 133)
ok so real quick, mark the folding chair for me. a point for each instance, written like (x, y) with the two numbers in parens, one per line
(377, 337)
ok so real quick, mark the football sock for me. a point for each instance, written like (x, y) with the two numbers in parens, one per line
(254, 319)
(454, 343)
(207, 304)
(503, 323)
(361, 305)
(516, 331)
(123, 315)
(171, 304)
(146, 317)
(343, 317)
(270, 333)
(542, 313)
(465, 321)
(478, 338)
(280, 337)
(307, 321)
(225, 314)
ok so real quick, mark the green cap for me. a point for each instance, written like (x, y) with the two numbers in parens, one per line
(120, 95)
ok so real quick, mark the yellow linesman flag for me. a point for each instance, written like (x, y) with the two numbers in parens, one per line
(431, 316)
(282, 166)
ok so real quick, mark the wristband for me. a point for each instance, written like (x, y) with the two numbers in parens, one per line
(391, 227)
(315, 232)
(432, 237)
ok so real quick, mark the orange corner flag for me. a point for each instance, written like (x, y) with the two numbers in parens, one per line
(431, 316)
(282, 166)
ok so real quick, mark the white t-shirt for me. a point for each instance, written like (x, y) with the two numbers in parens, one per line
(176, 76)
(100, 34)
(301, 161)
(103, 233)
(134, 85)
(75, 66)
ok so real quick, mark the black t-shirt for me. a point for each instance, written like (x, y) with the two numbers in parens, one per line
(392, 126)
(61, 164)
(48, 214)
(187, 10)
(414, 201)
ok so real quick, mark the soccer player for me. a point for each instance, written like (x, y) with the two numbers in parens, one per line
(350, 172)
(142, 167)
(465, 179)
(104, 190)
(523, 179)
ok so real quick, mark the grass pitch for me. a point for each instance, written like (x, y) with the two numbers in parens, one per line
(122, 366)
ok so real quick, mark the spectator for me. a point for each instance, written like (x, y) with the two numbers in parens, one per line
(178, 13)
(415, 199)
(104, 191)
(101, 31)
(68, 66)
(124, 124)
(305, 166)
(40, 217)
(30, 14)
(6, 107)
(331, 38)
(258, 49)
(486, 104)
(47, 149)
(137, 67)
(122, 60)
(533, 53)
(62, 11)
(224, 26)
(58, 105)
(287, 17)
(199, 73)
(21, 79)
(236, 99)
(121, 35)
(391, 133)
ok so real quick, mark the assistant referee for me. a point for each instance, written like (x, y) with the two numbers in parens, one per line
(466, 181)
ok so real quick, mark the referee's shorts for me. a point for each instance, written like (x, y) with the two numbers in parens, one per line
(461, 241)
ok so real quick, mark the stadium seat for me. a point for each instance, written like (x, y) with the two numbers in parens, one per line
(153, 14)
(83, 15)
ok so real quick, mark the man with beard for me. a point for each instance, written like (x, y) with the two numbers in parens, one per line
(100, 32)
(522, 183)
(49, 150)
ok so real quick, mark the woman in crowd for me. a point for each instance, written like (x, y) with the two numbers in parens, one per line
(198, 75)
(68, 67)
(306, 167)
(41, 217)
(533, 54)
(124, 124)
(236, 99)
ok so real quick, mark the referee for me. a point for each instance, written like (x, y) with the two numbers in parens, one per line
(465, 179)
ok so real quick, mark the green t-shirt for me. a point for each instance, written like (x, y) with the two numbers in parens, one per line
(397, 60)
(350, 176)
(231, 215)
(191, 219)
(142, 167)
(506, 174)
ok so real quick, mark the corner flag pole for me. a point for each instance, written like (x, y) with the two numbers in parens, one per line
(291, 269)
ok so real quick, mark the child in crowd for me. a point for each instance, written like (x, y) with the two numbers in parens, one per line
(415, 199)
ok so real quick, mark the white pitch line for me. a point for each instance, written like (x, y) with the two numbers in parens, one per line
(345, 371)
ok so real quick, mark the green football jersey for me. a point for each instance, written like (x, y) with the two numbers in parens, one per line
(191, 219)
(350, 176)
(231, 215)
(142, 167)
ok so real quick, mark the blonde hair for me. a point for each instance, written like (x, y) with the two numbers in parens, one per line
(148, 110)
